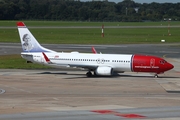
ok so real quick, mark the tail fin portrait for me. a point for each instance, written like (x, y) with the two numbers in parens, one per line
(28, 41)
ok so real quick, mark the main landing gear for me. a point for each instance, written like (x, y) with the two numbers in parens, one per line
(89, 74)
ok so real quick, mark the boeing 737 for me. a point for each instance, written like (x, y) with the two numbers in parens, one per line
(97, 64)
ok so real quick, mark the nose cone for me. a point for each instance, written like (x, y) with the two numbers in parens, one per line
(169, 66)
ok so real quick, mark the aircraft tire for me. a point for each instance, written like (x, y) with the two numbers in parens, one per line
(88, 74)
(156, 76)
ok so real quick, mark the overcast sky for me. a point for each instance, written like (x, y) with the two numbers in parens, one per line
(144, 1)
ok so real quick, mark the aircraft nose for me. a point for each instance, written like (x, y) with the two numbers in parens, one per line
(169, 66)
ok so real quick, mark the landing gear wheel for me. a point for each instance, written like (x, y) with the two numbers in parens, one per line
(89, 74)
(156, 76)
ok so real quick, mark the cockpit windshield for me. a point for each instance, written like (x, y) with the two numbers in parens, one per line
(163, 61)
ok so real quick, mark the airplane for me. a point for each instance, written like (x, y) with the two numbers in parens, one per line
(97, 64)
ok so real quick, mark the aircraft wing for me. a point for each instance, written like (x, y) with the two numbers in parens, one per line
(74, 66)
(90, 67)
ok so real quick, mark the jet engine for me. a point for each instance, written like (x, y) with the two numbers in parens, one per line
(104, 71)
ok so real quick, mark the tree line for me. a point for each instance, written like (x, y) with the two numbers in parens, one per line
(75, 10)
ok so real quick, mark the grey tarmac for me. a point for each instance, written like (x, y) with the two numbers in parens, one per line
(168, 50)
(61, 94)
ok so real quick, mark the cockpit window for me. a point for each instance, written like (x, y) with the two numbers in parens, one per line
(163, 61)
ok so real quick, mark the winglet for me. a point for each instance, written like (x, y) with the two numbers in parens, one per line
(46, 58)
(94, 50)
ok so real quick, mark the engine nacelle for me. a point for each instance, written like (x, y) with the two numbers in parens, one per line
(105, 71)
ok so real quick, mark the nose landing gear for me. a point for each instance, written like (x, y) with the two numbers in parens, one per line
(156, 76)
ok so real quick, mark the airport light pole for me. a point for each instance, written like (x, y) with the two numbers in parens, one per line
(169, 20)
(169, 25)
(126, 11)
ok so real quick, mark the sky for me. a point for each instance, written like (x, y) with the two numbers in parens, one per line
(144, 1)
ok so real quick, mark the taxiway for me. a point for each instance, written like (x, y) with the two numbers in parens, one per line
(68, 95)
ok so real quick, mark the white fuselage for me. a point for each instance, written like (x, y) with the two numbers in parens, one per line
(116, 61)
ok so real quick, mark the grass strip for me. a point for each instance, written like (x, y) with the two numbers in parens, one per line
(93, 35)
(80, 23)
(16, 62)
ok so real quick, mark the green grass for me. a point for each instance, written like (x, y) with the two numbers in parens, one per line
(93, 35)
(78, 23)
(16, 62)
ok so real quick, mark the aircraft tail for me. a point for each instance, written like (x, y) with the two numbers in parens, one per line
(28, 41)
